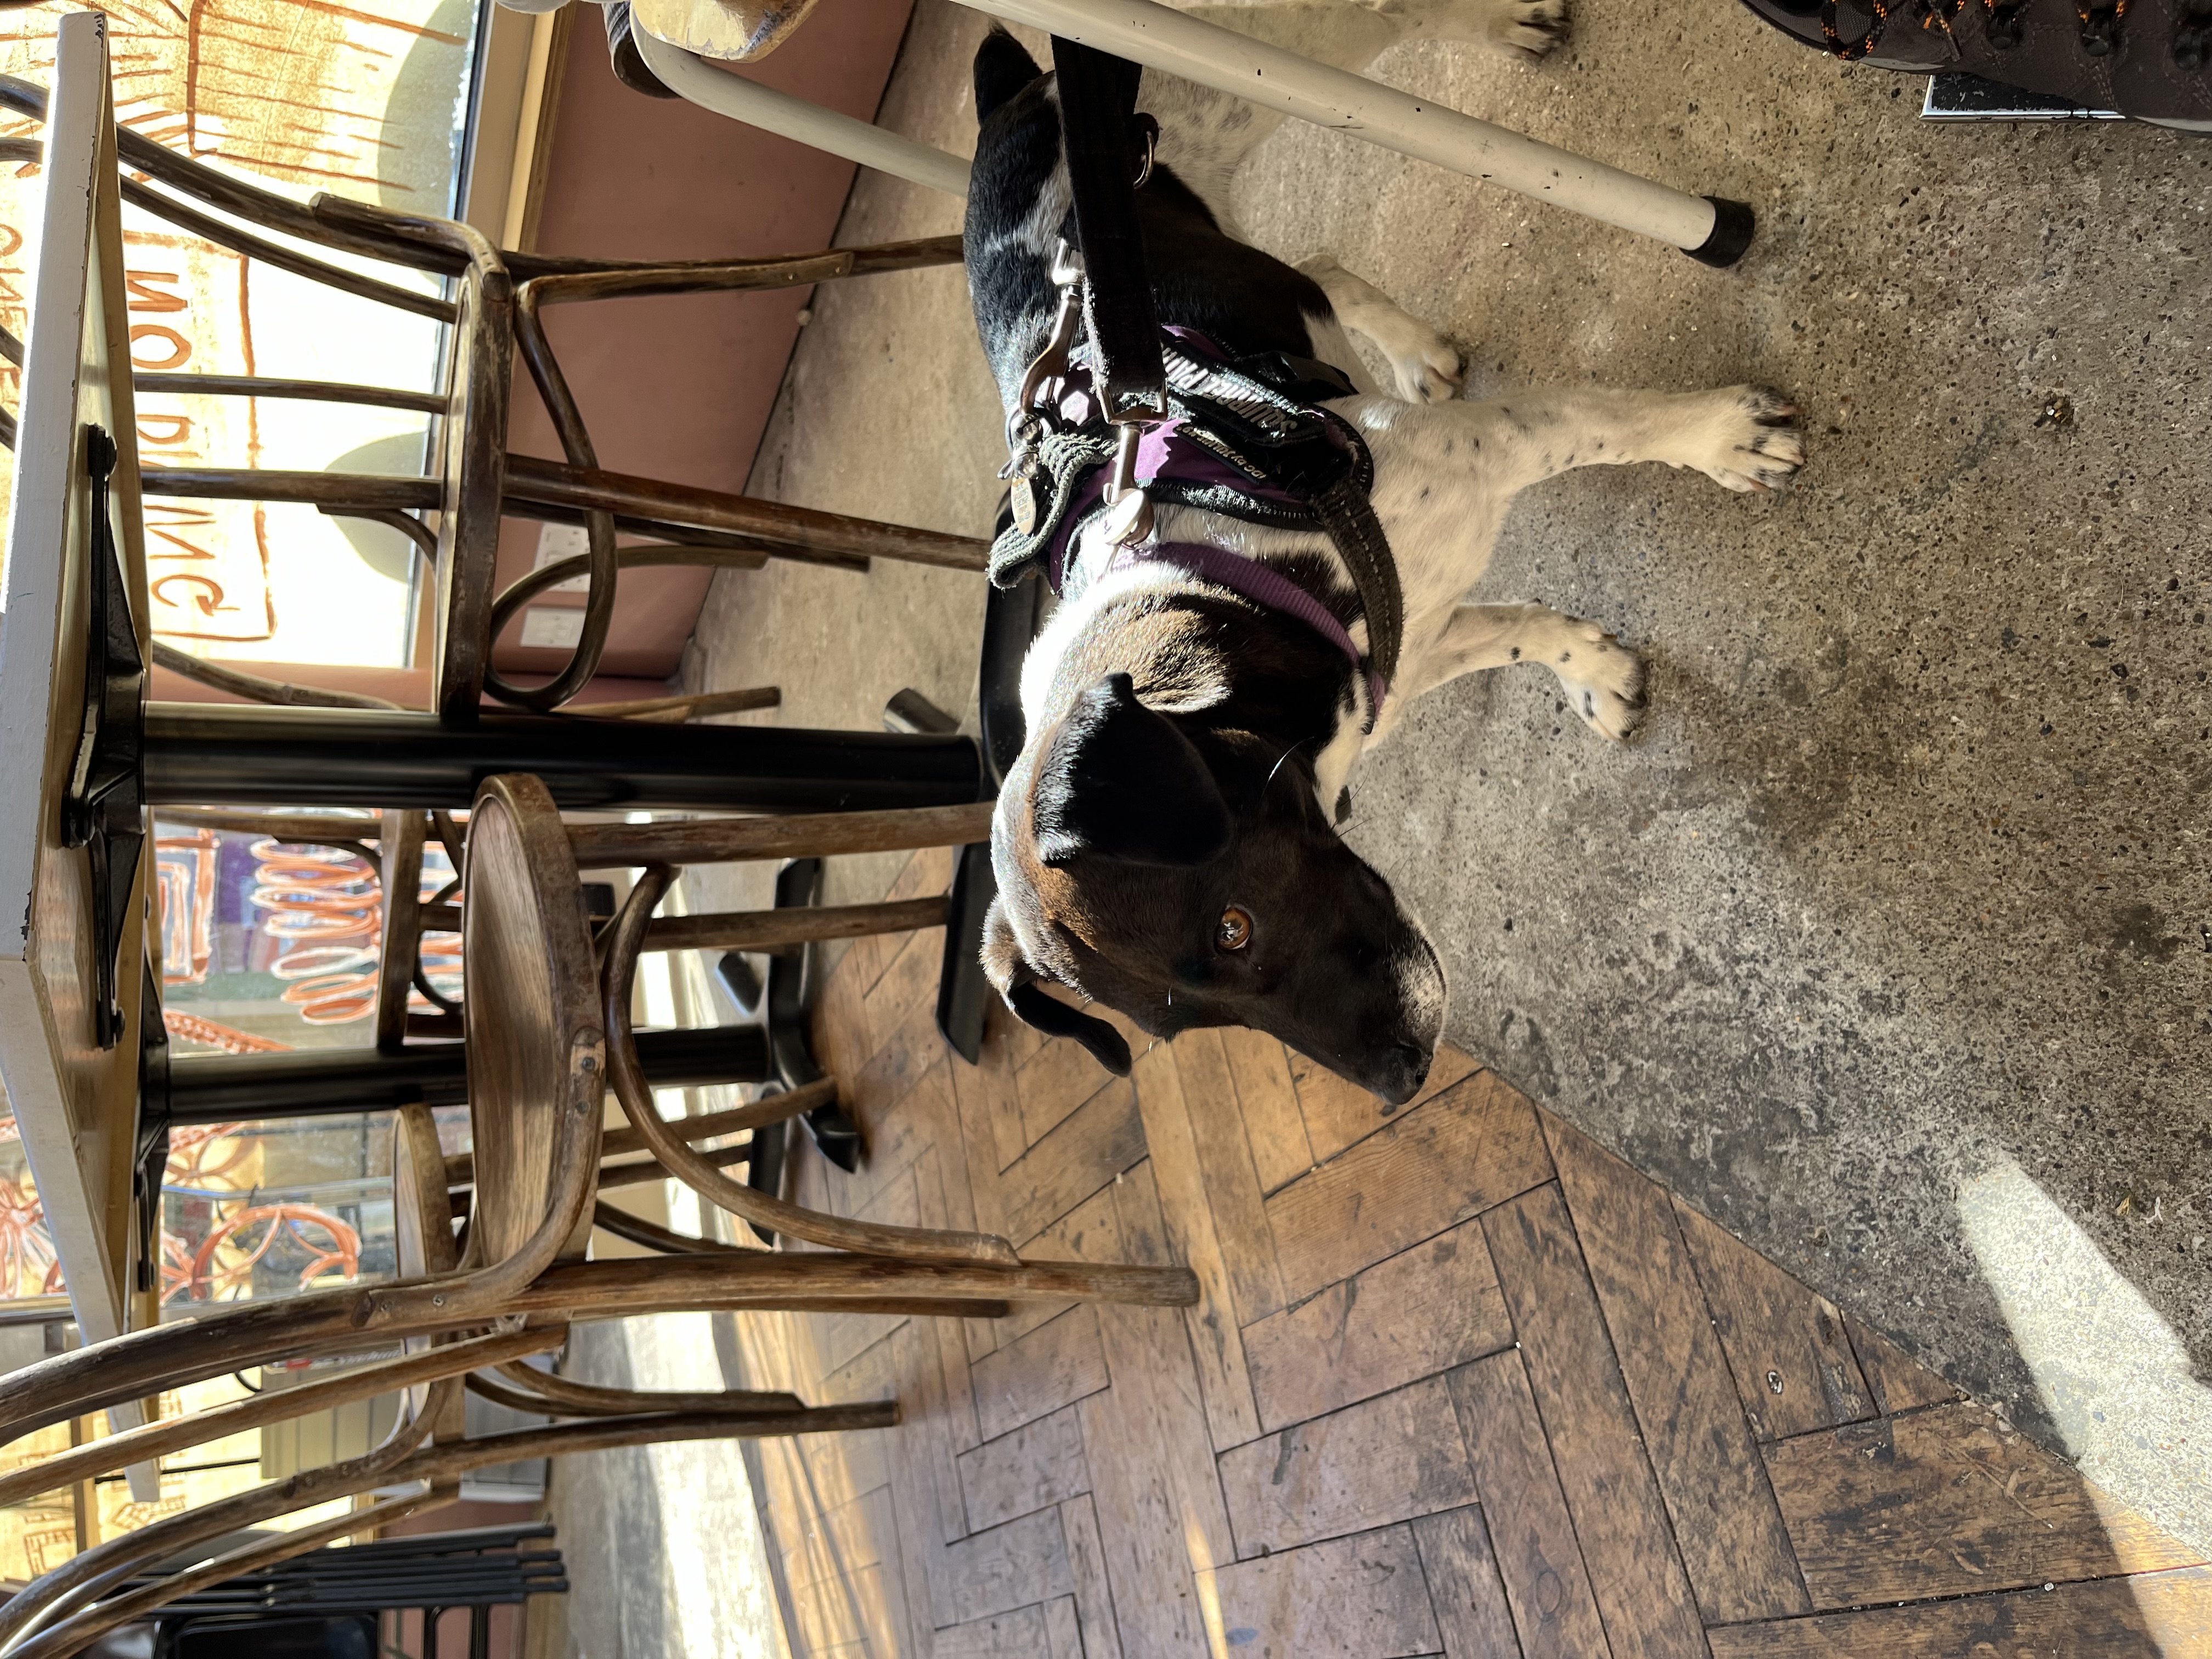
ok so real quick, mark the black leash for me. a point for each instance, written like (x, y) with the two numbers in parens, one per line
(1109, 150)
(1106, 151)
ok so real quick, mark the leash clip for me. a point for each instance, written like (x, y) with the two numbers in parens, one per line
(1051, 363)
(1024, 424)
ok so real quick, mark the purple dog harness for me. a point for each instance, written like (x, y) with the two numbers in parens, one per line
(1166, 452)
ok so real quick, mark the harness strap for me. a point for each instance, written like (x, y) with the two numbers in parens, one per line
(1349, 516)
(1104, 142)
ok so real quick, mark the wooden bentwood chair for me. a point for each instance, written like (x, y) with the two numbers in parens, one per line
(547, 1033)
(495, 312)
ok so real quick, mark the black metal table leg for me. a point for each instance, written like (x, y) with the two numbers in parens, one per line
(326, 1082)
(1011, 617)
(201, 753)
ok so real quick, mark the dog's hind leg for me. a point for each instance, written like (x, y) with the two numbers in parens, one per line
(1741, 437)
(1446, 474)
(1603, 678)
(1425, 367)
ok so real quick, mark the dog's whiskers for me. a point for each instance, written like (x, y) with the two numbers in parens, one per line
(1277, 766)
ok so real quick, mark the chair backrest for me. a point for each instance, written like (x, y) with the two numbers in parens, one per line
(474, 482)
(535, 1049)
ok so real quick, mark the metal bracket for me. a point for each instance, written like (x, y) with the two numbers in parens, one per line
(150, 1152)
(104, 808)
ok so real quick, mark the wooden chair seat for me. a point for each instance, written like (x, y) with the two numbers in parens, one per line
(537, 1053)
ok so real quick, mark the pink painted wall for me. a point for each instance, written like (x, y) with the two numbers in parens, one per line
(680, 388)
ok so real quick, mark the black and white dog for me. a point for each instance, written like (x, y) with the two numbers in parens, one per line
(1165, 844)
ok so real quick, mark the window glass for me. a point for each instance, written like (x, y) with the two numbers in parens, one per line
(367, 102)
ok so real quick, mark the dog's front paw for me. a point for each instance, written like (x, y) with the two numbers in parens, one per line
(1424, 364)
(1602, 678)
(1528, 28)
(1749, 439)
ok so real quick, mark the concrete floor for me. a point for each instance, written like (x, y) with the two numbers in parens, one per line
(1888, 941)
(664, 1545)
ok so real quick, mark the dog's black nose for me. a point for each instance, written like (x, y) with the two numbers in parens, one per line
(1403, 1074)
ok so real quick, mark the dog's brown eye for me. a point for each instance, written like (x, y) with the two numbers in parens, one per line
(1234, 931)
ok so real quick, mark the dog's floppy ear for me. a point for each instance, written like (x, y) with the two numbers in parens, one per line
(1120, 781)
(1002, 68)
(1016, 981)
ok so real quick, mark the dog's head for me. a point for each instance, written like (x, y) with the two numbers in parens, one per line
(1183, 873)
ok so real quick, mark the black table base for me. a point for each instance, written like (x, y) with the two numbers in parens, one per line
(328, 1082)
(216, 754)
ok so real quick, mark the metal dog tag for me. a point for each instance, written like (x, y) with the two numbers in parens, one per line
(1025, 505)
(1128, 519)
(1128, 512)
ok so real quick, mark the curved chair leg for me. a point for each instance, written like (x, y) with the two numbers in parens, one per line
(652, 1235)
(806, 1280)
(106, 1566)
(235, 1338)
(677, 1156)
(74, 1634)
(140, 1363)
(175, 1434)
(558, 1396)
(440, 1467)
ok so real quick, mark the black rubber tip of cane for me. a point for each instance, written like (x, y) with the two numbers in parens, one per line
(630, 65)
(1733, 225)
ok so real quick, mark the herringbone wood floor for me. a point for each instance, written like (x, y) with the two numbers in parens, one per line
(1460, 1384)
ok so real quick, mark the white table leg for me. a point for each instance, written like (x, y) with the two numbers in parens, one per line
(1162, 38)
(757, 105)
(1706, 228)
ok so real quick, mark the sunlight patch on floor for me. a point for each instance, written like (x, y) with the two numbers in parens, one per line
(716, 1560)
(2114, 1377)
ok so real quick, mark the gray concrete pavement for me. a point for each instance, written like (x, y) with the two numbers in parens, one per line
(664, 1545)
(1888, 941)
